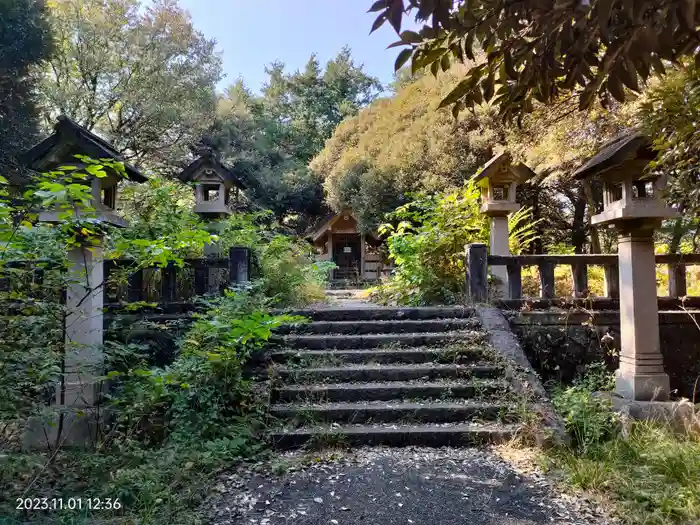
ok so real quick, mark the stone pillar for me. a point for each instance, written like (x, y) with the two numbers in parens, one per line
(215, 276)
(641, 374)
(84, 328)
(330, 252)
(498, 245)
(76, 420)
(239, 265)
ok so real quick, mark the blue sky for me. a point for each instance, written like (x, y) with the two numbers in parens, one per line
(253, 33)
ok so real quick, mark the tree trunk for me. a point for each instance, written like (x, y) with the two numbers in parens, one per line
(590, 210)
(578, 226)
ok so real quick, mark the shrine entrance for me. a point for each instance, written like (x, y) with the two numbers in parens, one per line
(347, 255)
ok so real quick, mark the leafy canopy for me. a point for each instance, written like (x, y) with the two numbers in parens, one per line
(24, 42)
(540, 50)
(140, 76)
(272, 137)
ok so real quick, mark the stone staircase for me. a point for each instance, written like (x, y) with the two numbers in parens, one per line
(389, 376)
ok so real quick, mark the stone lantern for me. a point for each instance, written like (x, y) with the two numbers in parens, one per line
(84, 299)
(632, 205)
(498, 181)
(215, 186)
(216, 189)
(59, 149)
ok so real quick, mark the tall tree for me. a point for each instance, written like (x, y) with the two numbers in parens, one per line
(401, 145)
(142, 76)
(539, 50)
(24, 41)
(272, 137)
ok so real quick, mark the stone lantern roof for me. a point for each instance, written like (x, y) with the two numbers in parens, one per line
(209, 161)
(502, 166)
(61, 147)
(631, 149)
(70, 139)
(630, 194)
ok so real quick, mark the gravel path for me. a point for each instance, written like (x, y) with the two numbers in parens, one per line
(399, 486)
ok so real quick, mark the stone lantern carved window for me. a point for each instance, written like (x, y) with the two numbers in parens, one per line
(109, 197)
(612, 192)
(642, 189)
(500, 192)
(210, 192)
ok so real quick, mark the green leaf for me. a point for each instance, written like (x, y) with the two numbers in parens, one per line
(403, 57)
(615, 87)
(377, 6)
(378, 23)
(411, 37)
(457, 93)
(445, 62)
(487, 87)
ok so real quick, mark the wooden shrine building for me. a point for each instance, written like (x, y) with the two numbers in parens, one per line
(355, 253)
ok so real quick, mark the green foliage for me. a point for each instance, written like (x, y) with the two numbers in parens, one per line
(670, 114)
(289, 274)
(203, 394)
(647, 469)
(30, 345)
(402, 145)
(272, 137)
(589, 420)
(426, 241)
(596, 49)
(172, 427)
(139, 75)
(24, 42)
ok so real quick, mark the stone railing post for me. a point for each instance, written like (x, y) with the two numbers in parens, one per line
(677, 282)
(477, 272)
(239, 265)
(641, 374)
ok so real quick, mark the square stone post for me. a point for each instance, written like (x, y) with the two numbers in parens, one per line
(239, 265)
(641, 374)
(363, 252)
(215, 276)
(84, 328)
(498, 245)
(76, 422)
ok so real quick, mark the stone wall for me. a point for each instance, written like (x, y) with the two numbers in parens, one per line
(560, 344)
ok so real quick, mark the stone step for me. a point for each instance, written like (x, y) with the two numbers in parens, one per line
(391, 372)
(388, 412)
(353, 392)
(346, 342)
(436, 435)
(379, 314)
(381, 327)
(378, 355)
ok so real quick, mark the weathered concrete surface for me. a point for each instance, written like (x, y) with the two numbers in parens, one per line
(398, 487)
(680, 415)
(560, 343)
(519, 370)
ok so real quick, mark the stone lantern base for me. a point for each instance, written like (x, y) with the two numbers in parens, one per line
(642, 387)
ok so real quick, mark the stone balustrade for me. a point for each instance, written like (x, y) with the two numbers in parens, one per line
(478, 264)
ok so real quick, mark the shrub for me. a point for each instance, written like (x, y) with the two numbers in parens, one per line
(288, 272)
(426, 241)
(172, 427)
(648, 470)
